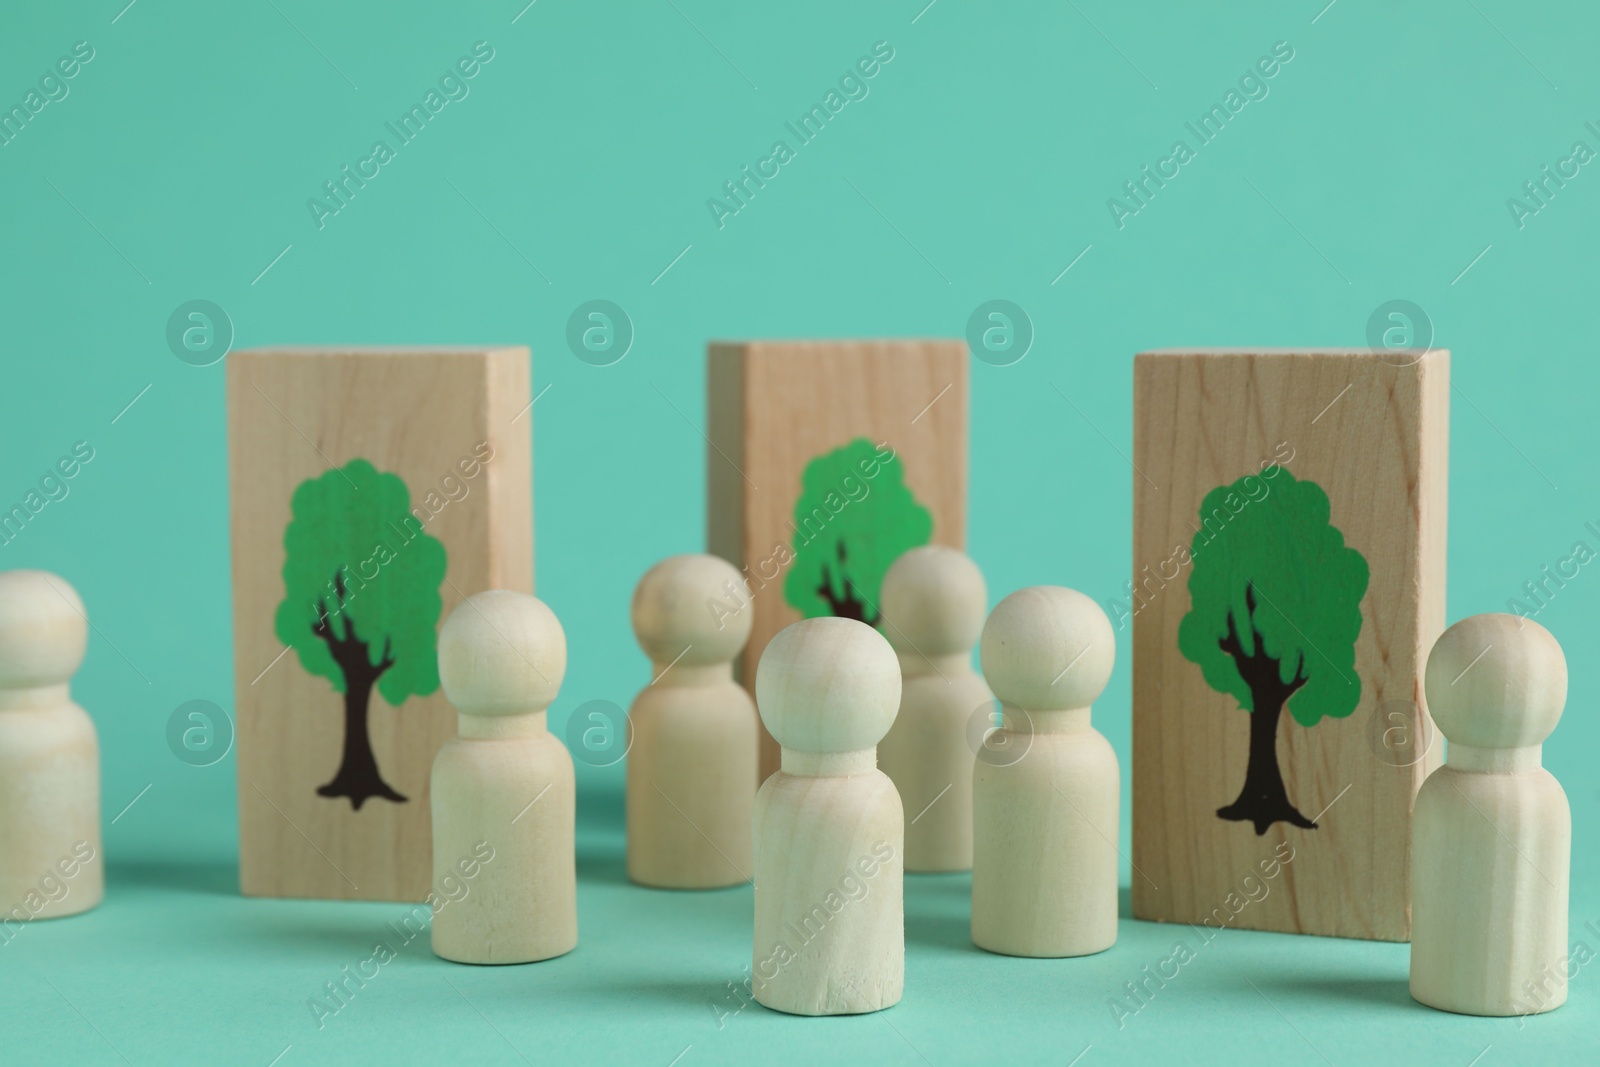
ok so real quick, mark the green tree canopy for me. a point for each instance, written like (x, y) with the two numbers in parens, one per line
(854, 517)
(353, 528)
(1277, 583)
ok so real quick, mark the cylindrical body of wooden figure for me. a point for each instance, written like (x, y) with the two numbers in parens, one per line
(1491, 837)
(503, 784)
(691, 780)
(1044, 869)
(50, 861)
(510, 784)
(829, 827)
(1500, 949)
(1045, 793)
(933, 600)
(829, 874)
(927, 756)
(695, 739)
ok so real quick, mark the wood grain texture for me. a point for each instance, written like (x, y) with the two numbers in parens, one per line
(1374, 435)
(294, 414)
(828, 826)
(504, 791)
(1493, 854)
(773, 406)
(1046, 789)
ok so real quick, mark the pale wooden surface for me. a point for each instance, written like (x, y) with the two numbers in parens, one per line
(50, 852)
(934, 602)
(1493, 846)
(773, 406)
(1045, 811)
(692, 762)
(507, 783)
(416, 413)
(1379, 448)
(828, 826)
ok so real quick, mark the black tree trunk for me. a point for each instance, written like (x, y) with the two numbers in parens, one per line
(1263, 800)
(846, 605)
(357, 777)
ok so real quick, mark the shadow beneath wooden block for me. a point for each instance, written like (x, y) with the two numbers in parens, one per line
(212, 878)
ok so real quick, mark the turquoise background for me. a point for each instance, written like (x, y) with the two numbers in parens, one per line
(178, 168)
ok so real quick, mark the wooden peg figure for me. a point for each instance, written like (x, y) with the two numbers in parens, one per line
(50, 863)
(692, 763)
(933, 603)
(1492, 835)
(1045, 795)
(829, 829)
(504, 787)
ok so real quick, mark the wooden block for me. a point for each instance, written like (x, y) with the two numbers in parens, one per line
(823, 446)
(400, 481)
(1289, 552)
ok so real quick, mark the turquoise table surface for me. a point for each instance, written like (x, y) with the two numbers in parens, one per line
(1427, 152)
(177, 968)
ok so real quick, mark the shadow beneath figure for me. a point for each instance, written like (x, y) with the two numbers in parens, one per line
(1373, 992)
(940, 931)
(606, 866)
(938, 909)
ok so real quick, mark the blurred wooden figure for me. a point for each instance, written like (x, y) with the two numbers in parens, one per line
(692, 756)
(504, 781)
(829, 829)
(1493, 832)
(933, 603)
(50, 862)
(1046, 788)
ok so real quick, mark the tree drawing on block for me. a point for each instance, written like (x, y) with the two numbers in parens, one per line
(1274, 616)
(361, 602)
(854, 517)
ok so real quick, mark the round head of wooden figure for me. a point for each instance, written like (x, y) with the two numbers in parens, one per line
(1047, 648)
(501, 653)
(828, 685)
(692, 611)
(43, 630)
(1496, 681)
(933, 601)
